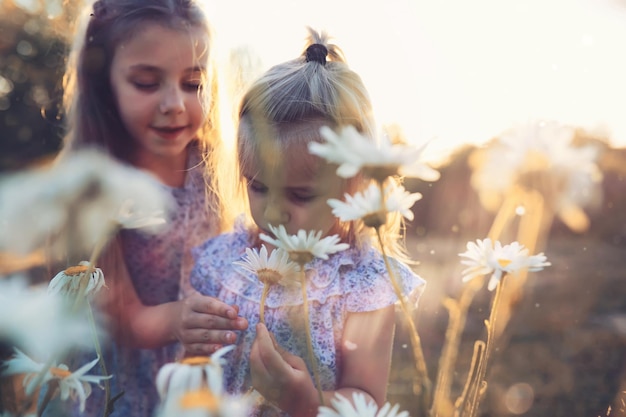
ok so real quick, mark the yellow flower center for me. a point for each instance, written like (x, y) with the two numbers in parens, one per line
(196, 360)
(269, 276)
(504, 262)
(199, 399)
(75, 270)
(60, 373)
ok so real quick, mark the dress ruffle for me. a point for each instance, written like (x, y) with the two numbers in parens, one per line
(359, 275)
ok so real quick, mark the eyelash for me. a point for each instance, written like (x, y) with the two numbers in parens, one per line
(256, 188)
(294, 197)
(189, 86)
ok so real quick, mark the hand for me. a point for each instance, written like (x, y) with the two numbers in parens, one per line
(280, 376)
(206, 324)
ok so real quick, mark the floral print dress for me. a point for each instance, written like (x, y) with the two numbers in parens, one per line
(354, 280)
(159, 267)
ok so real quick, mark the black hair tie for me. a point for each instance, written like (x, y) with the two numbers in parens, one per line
(316, 52)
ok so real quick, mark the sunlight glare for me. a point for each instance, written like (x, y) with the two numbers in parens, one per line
(458, 72)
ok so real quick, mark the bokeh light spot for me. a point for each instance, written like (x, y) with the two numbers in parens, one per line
(519, 398)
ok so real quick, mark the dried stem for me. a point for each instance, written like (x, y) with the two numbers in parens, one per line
(442, 405)
(416, 343)
(471, 385)
(479, 383)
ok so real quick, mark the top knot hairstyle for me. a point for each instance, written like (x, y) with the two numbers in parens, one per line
(317, 85)
(317, 53)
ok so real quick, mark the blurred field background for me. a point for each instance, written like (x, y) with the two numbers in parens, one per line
(564, 350)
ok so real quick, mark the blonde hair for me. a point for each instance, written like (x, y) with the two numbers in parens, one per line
(92, 117)
(312, 88)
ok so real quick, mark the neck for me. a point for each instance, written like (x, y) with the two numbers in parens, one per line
(170, 170)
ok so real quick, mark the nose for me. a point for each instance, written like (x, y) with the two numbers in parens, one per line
(172, 101)
(275, 214)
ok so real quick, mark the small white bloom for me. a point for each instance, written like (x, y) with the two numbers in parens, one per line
(275, 269)
(74, 385)
(482, 258)
(192, 373)
(353, 153)
(478, 255)
(68, 282)
(369, 202)
(128, 217)
(77, 202)
(204, 403)
(304, 242)
(360, 407)
(39, 323)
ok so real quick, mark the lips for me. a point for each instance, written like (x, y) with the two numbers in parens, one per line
(169, 132)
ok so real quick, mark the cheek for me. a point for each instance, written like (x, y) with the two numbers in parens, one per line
(196, 110)
(256, 208)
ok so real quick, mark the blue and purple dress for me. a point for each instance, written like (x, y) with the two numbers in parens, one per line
(351, 281)
(159, 266)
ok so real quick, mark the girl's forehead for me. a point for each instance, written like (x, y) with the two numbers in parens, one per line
(282, 147)
(293, 163)
(154, 41)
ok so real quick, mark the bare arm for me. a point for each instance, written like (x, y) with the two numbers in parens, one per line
(202, 324)
(366, 350)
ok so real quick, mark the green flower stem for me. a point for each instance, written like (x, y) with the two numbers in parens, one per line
(309, 340)
(266, 290)
(416, 343)
(103, 367)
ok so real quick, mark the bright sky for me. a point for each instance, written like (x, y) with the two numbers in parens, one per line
(456, 71)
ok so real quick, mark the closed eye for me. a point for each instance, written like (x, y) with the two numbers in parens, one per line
(255, 186)
(301, 196)
(145, 86)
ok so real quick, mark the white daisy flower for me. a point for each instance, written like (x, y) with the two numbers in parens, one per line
(359, 407)
(540, 156)
(39, 323)
(192, 373)
(74, 385)
(68, 282)
(303, 246)
(275, 269)
(353, 153)
(369, 205)
(478, 255)
(204, 403)
(129, 218)
(482, 258)
(76, 202)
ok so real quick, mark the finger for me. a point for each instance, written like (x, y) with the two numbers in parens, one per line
(205, 336)
(201, 349)
(269, 357)
(209, 305)
(212, 322)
